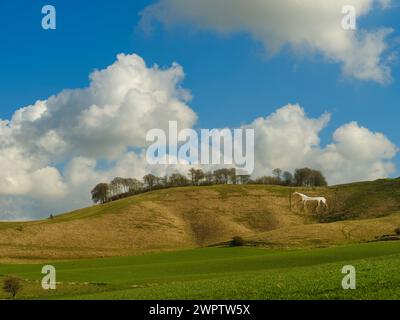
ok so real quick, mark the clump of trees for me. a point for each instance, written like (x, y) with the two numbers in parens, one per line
(12, 286)
(304, 177)
(279, 177)
(237, 242)
(309, 178)
(123, 187)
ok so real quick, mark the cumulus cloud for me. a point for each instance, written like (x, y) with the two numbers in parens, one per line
(356, 154)
(54, 151)
(306, 26)
(289, 139)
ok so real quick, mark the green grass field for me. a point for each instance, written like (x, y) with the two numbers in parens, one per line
(222, 273)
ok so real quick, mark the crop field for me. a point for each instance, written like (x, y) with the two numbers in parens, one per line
(222, 273)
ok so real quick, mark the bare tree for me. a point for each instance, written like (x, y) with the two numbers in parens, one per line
(243, 179)
(192, 173)
(134, 185)
(277, 173)
(12, 286)
(209, 177)
(198, 176)
(287, 178)
(150, 180)
(119, 186)
(232, 175)
(178, 180)
(222, 176)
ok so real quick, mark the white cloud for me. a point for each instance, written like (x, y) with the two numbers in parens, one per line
(357, 154)
(289, 139)
(80, 129)
(285, 138)
(47, 182)
(307, 26)
(53, 152)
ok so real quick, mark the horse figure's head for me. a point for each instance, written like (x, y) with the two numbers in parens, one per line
(299, 194)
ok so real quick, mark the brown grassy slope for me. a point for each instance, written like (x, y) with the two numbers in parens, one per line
(327, 234)
(161, 220)
(198, 216)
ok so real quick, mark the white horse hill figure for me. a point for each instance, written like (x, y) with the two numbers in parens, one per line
(305, 199)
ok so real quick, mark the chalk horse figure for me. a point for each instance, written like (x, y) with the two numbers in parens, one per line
(305, 199)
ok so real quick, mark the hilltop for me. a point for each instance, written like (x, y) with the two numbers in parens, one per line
(190, 217)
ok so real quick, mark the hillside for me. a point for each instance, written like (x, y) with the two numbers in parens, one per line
(190, 217)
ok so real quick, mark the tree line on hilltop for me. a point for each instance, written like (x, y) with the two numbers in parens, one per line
(120, 188)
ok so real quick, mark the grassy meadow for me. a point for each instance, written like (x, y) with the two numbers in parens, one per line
(222, 273)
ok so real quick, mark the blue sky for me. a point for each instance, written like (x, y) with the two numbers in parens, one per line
(232, 79)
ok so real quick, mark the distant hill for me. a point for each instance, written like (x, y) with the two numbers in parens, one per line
(191, 217)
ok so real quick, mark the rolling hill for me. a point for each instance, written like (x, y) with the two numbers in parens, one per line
(190, 217)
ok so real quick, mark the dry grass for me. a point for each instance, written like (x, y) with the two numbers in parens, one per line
(198, 216)
(162, 220)
(327, 234)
